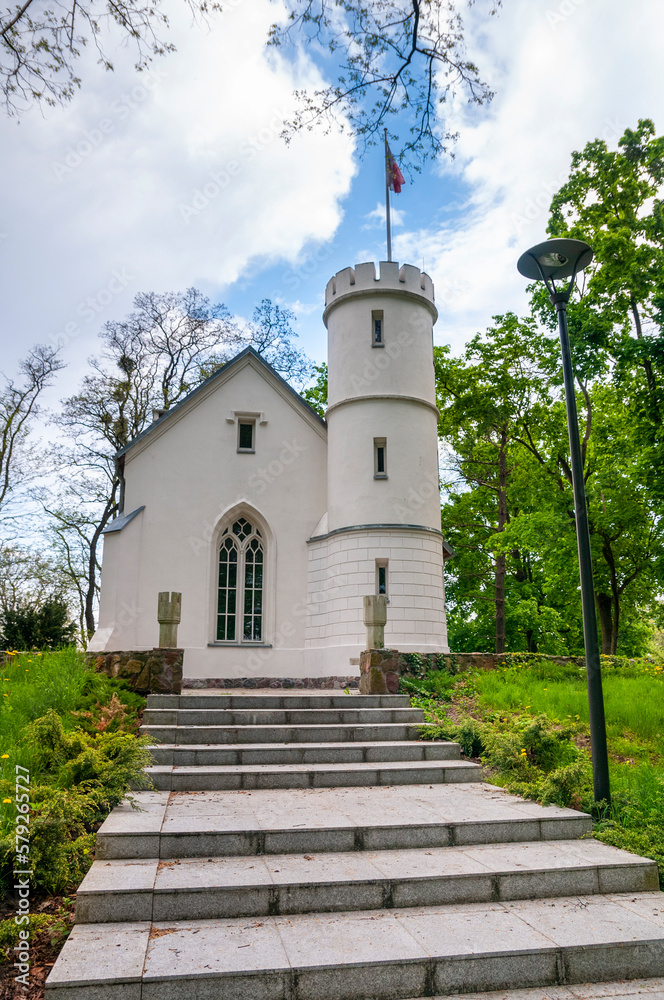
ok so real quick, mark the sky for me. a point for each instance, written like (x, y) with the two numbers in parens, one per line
(177, 177)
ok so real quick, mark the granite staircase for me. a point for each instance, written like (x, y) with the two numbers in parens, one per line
(314, 847)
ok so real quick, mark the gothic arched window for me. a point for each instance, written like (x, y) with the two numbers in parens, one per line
(240, 595)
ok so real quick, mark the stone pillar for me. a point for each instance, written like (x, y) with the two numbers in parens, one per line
(375, 619)
(169, 615)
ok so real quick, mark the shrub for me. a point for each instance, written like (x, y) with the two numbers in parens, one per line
(77, 779)
(436, 683)
(45, 627)
(469, 733)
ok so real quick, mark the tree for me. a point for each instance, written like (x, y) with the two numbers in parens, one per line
(316, 394)
(510, 513)
(150, 361)
(613, 199)
(19, 405)
(41, 43)
(27, 577)
(395, 57)
(488, 399)
(270, 333)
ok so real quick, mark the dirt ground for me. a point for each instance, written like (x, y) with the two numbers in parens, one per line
(45, 947)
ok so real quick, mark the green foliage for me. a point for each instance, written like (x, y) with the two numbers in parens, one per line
(74, 732)
(316, 394)
(543, 754)
(76, 779)
(470, 735)
(436, 682)
(44, 627)
(509, 509)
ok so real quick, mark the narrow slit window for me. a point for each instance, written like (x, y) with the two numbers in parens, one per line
(380, 458)
(377, 332)
(381, 577)
(245, 435)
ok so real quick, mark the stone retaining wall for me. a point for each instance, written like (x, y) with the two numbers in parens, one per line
(380, 669)
(152, 671)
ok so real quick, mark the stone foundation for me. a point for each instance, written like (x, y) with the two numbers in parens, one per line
(334, 683)
(153, 671)
(379, 671)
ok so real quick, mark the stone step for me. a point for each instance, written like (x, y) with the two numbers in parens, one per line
(211, 888)
(308, 821)
(623, 989)
(284, 700)
(221, 735)
(302, 753)
(278, 716)
(252, 776)
(377, 954)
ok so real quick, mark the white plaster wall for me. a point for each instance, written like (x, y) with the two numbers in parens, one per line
(342, 569)
(410, 493)
(120, 607)
(405, 364)
(188, 475)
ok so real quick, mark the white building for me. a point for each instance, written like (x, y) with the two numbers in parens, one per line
(274, 523)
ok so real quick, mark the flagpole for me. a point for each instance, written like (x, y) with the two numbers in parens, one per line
(387, 206)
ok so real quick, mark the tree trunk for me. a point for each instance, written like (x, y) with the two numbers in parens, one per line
(500, 569)
(605, 615)
(110, 511)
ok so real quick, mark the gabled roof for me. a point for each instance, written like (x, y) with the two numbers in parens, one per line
(248, 352)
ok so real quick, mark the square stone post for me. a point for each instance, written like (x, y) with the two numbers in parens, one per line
(169, 615)
(375, 619)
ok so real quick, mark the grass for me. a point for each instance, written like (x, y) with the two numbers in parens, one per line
(528, 723)
(633, 696)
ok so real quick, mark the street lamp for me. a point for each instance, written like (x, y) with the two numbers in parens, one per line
(561, 259)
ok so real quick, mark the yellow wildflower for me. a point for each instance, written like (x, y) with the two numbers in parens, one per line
(6, 800)
(4, 756)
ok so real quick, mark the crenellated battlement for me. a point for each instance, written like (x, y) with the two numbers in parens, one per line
(363, 277)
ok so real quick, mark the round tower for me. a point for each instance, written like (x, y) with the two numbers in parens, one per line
(382, 416)
(382, 531)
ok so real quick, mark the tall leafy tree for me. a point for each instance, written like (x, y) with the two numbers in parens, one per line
(510, 515)
(488, 399)
(613, 199)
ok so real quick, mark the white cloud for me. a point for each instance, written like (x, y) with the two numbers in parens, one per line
(171, 178)
(565, 73)
(376, 218)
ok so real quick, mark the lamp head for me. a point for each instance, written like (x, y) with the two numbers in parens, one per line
(555, 259)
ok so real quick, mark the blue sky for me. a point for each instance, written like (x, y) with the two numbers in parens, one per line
(99, 198)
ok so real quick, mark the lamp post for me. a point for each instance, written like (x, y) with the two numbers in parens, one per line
(548, 261)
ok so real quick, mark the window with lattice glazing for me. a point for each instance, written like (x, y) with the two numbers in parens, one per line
(240, 594)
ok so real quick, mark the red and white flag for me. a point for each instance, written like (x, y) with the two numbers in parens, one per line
(394, 176)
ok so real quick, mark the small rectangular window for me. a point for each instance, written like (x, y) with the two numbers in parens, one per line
(245, 435)
(380, 458)
(381, 577)
(377, 337)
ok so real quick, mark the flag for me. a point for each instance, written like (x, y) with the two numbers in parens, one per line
(394, 175)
